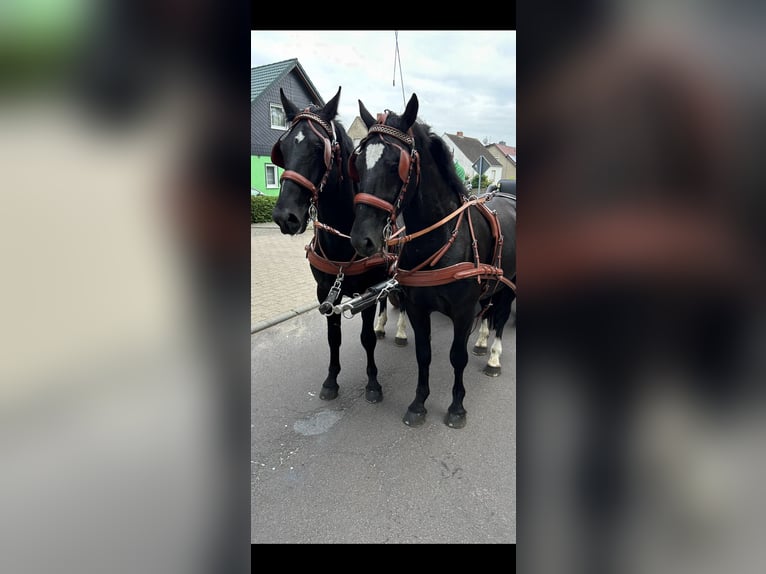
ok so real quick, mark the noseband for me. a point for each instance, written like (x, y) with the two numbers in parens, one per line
(409, 160)
(331, 151)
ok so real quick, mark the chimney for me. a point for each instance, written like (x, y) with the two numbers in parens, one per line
(460, 134)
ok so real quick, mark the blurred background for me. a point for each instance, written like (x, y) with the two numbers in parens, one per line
(641, 325)
(124, 379)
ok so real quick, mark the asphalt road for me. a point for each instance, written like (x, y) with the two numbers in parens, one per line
(347, 471)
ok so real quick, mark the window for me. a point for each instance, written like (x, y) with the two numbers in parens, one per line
(272, 181)
(278, 119)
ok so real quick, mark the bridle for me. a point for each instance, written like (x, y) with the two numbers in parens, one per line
(331, 153)
(409, 161)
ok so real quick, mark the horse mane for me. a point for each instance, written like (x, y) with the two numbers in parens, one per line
(346, 149)
(346, 143)
(438, 152)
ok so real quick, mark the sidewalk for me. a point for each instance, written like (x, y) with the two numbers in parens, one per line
(281, 283)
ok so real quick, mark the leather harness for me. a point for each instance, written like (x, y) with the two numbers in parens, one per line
(332, 155)
(418, 276)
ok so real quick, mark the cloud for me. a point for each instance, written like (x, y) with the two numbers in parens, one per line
(465, 80)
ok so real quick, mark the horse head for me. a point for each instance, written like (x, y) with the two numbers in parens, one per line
(307, 152)
(385, 164)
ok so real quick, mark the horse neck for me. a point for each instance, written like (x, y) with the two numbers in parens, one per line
(432, 200)
(335, 206)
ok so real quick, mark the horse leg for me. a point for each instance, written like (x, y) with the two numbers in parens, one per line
(401, 329)
(373, 391)
(330, 386)
(500, 313)
(458, 356)
(380, 323)
(493, 368)
(421, 325)
(480, 348)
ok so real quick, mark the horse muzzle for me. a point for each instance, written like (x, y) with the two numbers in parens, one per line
(289, 222)
(366, 244)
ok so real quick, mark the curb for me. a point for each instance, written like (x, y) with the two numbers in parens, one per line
(261, 325)
(272, 225)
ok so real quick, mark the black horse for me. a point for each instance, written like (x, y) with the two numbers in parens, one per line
(315, 185)
(459, 257)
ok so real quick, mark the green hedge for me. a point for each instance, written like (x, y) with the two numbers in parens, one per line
(261, 207)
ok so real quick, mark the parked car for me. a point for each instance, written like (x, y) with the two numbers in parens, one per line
(507, 186)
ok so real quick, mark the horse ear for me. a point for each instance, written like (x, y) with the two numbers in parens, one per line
(330, 109)
(410, 113)
(290, 108)
(366, 116)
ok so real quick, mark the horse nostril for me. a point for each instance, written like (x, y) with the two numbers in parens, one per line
(364, 246)
(293, 220)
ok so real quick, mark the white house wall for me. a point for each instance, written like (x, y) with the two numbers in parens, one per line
(493, 173)
(460, 157)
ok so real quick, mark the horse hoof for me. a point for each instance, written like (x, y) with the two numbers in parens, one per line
(380, 334)
(491, 371)
(373, 396)
(400, 342)
(414, 419)
(328, 394)
(479, 351)
(455, 421)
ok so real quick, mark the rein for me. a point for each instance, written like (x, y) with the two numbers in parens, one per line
(407, 238)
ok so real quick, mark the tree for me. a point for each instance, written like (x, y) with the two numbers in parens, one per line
(484, 182)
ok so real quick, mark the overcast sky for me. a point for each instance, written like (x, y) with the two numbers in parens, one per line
(465, 80)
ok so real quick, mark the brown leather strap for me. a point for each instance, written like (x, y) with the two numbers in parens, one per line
(300, 180)
(348, 267)
(407, 238)
(434, 259)
(329, 128)
(494, 225)
(463, 270)
(370, 199)
(474, 243)
(419, 277)
(329, 229)
(380, 127)
(450, 242)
